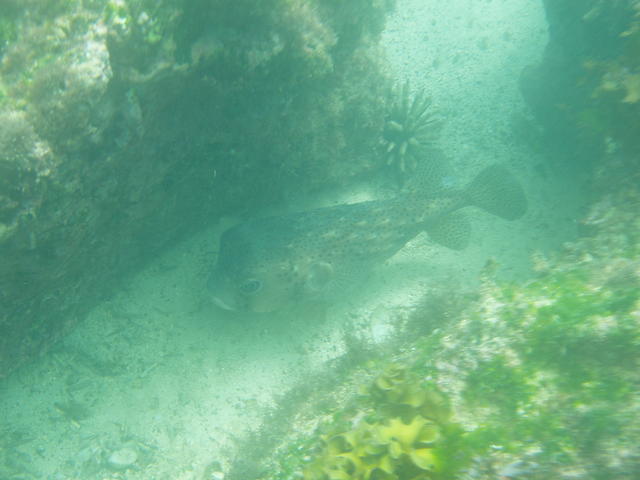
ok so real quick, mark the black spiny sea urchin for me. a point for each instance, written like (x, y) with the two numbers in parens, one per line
(409, 129)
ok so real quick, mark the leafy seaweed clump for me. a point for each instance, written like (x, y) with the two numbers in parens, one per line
(407, 432)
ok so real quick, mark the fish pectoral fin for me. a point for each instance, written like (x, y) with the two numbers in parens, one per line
(319, 275)
(452, 231)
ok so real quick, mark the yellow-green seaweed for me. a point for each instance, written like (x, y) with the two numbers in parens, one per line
(398, 441)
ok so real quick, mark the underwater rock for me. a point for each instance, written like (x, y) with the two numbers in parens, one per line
(138, 123)
(586, 92)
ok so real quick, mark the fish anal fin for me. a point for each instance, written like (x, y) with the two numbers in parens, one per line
(452, 231)
(497, 191)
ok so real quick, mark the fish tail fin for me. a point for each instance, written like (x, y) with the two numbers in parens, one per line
(498, 192)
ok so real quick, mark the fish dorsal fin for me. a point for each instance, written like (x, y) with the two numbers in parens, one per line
(318, 276)
(452, 231)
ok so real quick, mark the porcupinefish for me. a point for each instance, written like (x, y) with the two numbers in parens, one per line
(265, 264)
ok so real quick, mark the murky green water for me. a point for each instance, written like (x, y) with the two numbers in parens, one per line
(269, 240)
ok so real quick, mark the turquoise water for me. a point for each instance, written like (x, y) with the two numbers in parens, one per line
(133, 134)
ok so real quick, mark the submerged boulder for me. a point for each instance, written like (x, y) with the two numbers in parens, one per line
(129, 125)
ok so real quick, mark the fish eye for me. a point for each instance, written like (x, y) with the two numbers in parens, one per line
(251, 286)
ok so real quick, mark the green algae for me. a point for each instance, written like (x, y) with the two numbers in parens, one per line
(495, 383)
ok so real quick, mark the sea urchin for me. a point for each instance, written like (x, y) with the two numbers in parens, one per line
(409, 128)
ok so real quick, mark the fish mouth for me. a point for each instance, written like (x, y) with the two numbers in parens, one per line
(220, 294)
(224, 305)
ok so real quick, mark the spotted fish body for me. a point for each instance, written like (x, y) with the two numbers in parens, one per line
(265, 264)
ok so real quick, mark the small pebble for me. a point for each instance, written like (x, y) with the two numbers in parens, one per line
(122, 459)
